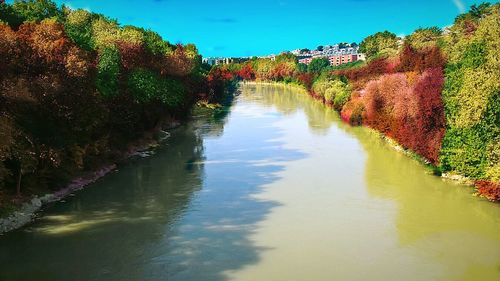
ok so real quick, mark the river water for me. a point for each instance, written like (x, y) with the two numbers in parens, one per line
(276, 189)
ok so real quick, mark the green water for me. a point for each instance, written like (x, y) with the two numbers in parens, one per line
(279, 189)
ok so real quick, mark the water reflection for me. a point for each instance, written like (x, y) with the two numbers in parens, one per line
(275, 189)
(184, 214)
(386, 217)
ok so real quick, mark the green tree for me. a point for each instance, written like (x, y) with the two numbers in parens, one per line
(78, 26)
(146, 86)
(302, 67)
(318, 64)
(9, 16)
(36, 10)
(424, 37)
(379, 44)
(108, 70)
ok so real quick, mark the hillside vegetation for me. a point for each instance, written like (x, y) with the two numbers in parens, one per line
(76, 88)
(436, 92)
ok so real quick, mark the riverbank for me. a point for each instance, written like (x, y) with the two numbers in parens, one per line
(481, 191)
(27, 211)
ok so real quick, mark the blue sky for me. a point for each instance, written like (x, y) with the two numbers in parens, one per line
(260, 27)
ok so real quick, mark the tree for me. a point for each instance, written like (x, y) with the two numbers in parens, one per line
(78, 27)
(318, 64)
(424, 37)
(379, 44)
(36, 10)
(302, 67)
(108, 70)
(479, 11)
(320, 48)
(9, 16)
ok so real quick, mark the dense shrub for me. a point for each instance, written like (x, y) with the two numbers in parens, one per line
(412, 113)
(333, 90)
(489, 190)
(353, 111)
(472, 95)
(146, 86)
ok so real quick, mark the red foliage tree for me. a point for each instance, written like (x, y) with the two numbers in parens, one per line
(246, 72)
(133, 55)
(489, 190)
(177, 64)
(45, 42)
(420, 60)
(411, 114)
(306, 79)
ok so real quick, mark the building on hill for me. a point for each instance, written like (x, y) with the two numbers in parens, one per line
(337, 54)
(222, 61)
(342, 59)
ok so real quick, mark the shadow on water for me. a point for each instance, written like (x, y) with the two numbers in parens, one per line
(184, 214)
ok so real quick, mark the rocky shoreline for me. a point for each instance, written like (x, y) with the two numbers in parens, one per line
(27, 212)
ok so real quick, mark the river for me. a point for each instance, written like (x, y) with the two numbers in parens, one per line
(276, 189)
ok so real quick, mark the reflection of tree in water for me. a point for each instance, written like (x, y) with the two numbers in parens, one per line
(184, 214)
(289, 100)
(211, 122)
(439, 220)
(97, 232)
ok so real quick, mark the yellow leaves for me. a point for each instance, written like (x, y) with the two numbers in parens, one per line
(131, 35)
(191, 51)
(493, 169)
(7, 41)
(76, 62)
(478, 85)
(424, 37)
(489, 32)
(105, 33)
(78, 17)
(48, 40)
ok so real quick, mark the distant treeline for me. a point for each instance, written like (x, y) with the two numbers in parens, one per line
(76, 88)
(437, 92)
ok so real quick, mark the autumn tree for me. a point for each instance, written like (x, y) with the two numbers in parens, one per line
(379, 44)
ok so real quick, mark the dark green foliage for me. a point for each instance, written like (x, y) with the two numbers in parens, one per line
(466, 149)
(155, 44)
(472, 97)
(9, 16)
(301, 67)
(108, 70)
(476, 12)
(146, 86)
(317, 65)
(36, 10)
(348, 65)
(79, 30)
